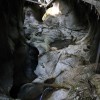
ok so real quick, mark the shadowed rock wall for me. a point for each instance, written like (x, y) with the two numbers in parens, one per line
(11, 21)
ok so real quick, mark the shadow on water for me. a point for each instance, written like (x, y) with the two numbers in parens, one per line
(59, 44)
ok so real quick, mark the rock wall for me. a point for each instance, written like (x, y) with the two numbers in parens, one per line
(71, 22)
(66, 64)
(11, 41)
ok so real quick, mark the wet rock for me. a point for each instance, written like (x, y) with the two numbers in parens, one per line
(24, 67)
(57, 26)
(77, 50)
(66, 22)
(30, 91)
(59, 44)
(30, 23)
(63, 61)
(59, 95)
(53, 63)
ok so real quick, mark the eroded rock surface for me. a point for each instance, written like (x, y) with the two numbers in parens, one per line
(69, 65)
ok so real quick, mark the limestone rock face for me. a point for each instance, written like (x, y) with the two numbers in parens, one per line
(60, 25)
(60, 58)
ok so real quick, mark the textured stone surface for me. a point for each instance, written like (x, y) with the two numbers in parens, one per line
(67, 64)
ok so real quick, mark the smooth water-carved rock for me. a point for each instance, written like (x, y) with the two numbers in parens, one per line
(66, 63)
(59, 95)
(30, 91)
